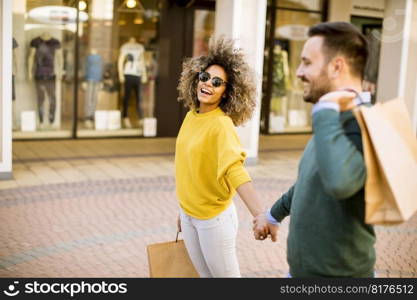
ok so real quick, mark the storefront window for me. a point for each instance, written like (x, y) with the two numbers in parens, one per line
(287, 110)
(372, 29)
(84, 68)
(118, 53)
(203, 30)
(42, 75)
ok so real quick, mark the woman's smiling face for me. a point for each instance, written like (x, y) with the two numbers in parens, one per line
(208, 95)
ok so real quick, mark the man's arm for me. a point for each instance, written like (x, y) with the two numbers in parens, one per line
(271, 218)
(340, 162)
(282, 207)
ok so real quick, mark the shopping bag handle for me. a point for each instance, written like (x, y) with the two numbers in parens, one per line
(358, 96)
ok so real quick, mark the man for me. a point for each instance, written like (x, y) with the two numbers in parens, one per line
(327, 233)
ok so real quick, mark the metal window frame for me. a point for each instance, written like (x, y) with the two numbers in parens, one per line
(272, 10)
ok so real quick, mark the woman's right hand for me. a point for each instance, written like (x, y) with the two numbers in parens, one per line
(179, 223)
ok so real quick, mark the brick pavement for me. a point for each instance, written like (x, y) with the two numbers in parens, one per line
(92, 209)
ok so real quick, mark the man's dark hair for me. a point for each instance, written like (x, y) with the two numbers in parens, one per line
(345, 39)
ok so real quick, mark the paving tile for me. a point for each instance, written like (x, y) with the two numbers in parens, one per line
(117, 196)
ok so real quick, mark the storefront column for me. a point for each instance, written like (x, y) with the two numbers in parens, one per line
(6, 89)
(398, 60)
(339, 10)
(244, 21)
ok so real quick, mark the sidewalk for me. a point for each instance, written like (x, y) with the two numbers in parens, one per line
(88, 208)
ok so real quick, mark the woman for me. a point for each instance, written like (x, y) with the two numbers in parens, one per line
(219, 90)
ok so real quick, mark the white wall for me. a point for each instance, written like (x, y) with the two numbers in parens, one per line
(6, 89)
(244, 21)
(398, 61)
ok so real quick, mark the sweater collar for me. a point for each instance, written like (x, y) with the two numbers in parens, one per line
(212, 113)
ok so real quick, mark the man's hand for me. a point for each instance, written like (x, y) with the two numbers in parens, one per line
(343, 98)
(261, 228)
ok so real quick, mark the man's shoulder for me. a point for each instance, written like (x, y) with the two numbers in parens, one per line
(349, 122)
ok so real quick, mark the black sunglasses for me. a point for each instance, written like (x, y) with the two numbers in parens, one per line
(204, 76)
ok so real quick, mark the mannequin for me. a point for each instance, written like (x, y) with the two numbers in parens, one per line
(44, 58)
(281, 72)
(149, 88)
(281, 81)
(93, 77)
(132, 72)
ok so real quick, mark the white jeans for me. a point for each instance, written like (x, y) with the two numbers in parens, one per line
(211, 243)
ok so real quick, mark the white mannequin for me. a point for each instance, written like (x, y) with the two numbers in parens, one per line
(92, 85)
(121, 61)
(132, 71)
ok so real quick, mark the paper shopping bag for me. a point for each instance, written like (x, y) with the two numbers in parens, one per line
(390, 152)
(170, 259)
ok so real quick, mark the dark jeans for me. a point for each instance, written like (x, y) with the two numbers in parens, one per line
(46, 87)
(131, 83)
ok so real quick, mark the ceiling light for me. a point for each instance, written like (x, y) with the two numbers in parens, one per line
(82, 5)
(131, 3)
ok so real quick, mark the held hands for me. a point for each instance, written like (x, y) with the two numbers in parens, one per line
(262, 228)
(343, 98)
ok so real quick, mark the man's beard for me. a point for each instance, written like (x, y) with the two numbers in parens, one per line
(318, 87)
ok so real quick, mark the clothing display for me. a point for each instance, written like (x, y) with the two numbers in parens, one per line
(44, 71)
(134, 60)
(132, 83)
(280, 87)
(46, 87)
(45, 57)
(280, 72)
(132, 71)
(94, 67)
(91, 95)
(93, 76)
(148, 90)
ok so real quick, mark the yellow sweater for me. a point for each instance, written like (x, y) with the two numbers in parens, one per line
(208, 163)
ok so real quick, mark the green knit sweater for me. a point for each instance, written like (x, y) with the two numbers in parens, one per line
(327, 233)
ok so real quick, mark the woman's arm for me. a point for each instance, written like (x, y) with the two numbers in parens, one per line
(249, 196)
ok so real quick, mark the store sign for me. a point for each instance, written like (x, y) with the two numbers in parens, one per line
(293, 32)
(56, 14)
(368, 8)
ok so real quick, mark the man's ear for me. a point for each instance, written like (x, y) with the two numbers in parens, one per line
(337, 67)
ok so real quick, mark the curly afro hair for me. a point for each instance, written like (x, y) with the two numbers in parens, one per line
(240, 100)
